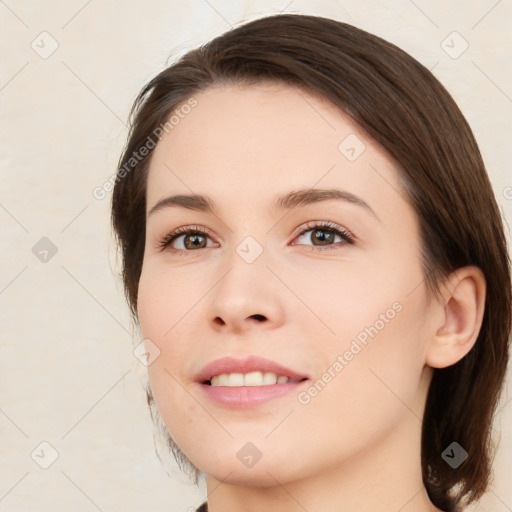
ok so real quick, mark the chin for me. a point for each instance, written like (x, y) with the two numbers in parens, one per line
(243, 463)
(260, 475)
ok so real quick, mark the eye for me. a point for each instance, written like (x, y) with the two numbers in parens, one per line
(319, 235)
(188, 238)
(323, 235)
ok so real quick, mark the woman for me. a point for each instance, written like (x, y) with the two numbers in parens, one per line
(313, 252)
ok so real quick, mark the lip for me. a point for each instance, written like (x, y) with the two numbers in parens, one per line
(250, 364)
(247, 396)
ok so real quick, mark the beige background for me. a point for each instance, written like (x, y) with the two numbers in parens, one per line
(68, 376)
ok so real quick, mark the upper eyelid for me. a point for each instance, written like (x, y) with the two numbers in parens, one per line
(319, 224)
(307, 226)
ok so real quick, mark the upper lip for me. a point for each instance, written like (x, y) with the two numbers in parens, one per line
(250, 364)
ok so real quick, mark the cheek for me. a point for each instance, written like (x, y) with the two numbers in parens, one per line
(165, 300)
(370, 379)
(171, 315)
(372, 337)
(385, 352)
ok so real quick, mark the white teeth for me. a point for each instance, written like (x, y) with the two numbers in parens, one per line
(235, 379)
(248, 379)
(269, 378)
(254, 379)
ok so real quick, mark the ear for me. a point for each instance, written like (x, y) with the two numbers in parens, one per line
(461, 311)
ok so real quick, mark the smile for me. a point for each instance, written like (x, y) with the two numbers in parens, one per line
(250, 379)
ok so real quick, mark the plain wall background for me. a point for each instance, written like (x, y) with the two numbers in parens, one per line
(68, 376)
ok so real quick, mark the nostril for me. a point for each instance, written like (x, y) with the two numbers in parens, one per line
(260, 318)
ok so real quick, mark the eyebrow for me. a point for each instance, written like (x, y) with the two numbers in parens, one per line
(293, 199)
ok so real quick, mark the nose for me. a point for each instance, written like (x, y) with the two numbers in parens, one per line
(247, 297)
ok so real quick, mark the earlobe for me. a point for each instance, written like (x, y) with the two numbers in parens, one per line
(463, 305)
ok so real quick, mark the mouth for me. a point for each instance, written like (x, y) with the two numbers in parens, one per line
(247, 383)
(252, 371)
(257, 378)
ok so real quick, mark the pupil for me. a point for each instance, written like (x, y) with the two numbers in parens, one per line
(194, 241)
(322, 236)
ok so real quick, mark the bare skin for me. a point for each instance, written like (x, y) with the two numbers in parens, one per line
(354, 444)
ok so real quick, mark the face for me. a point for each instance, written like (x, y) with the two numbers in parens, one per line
(302, 260)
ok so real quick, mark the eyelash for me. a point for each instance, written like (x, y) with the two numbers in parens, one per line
(347, 236)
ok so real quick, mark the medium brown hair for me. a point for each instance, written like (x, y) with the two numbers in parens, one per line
(403, 107)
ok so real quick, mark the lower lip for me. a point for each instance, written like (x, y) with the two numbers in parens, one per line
(241, 397)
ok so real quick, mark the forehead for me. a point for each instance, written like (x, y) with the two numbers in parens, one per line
(250, 142)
